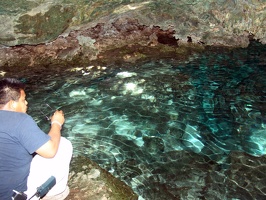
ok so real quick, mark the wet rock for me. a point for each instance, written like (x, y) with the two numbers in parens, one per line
(89, 181)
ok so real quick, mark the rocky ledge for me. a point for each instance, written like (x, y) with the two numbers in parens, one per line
(89, 181)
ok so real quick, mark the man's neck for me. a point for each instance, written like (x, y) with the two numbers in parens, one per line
(5, 107)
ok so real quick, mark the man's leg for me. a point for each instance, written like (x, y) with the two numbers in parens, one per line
(43, 168)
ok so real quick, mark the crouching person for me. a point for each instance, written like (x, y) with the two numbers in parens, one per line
(28, 156)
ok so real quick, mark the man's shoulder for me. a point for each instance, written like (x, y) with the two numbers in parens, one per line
(12, 114)
(10, 118)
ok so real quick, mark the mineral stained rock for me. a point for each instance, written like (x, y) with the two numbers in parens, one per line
(64, 32)
(222, 22)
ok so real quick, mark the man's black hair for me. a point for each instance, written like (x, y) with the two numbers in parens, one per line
(10, 89)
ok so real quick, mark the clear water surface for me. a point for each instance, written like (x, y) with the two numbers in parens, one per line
(171, 130)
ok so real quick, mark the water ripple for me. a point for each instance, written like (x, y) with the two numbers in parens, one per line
(170, 130)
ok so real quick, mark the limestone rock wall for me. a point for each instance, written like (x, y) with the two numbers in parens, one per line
(212, 22)
(74, 32)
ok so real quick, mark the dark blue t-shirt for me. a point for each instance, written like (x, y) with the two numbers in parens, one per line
(20, 137)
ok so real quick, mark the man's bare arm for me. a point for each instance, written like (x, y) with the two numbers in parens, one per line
(49, 149)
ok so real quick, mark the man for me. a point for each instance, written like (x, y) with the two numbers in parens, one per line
(28, 156)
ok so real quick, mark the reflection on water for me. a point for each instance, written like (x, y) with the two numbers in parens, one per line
(169, 129)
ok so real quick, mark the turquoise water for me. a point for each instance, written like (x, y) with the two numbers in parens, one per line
(170, 129)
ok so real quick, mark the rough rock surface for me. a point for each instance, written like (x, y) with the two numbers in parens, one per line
(213, 22)
(49, 32)
(88, 181)
(244, 178)
(90, 44)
